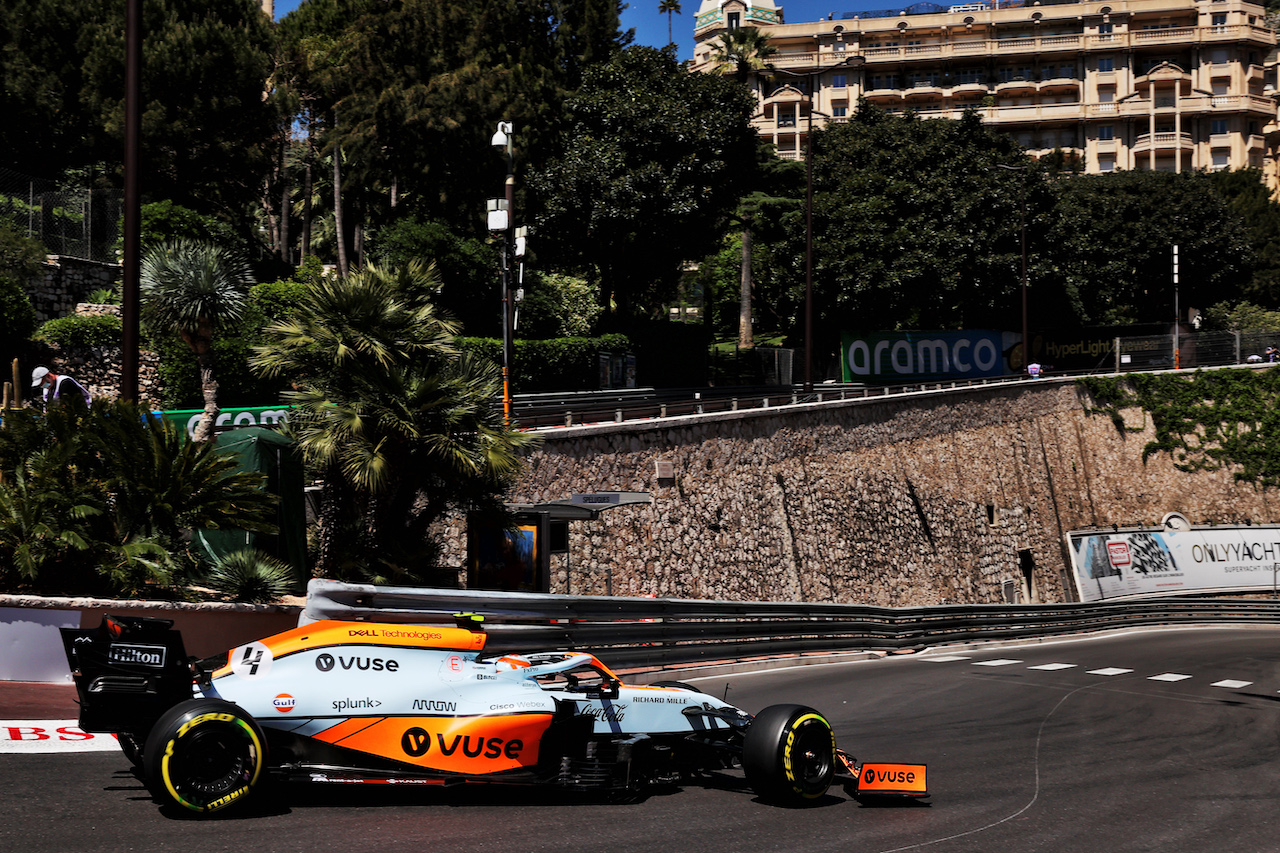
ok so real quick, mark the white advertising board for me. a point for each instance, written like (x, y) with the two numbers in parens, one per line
(1126, 563)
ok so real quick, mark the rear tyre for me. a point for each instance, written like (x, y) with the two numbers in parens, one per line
(789, 755)
(205, 755)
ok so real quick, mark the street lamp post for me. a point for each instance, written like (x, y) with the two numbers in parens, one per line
(811, 77)
(501, 212)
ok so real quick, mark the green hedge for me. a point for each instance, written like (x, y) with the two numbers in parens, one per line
(558, 364)
(73, 331)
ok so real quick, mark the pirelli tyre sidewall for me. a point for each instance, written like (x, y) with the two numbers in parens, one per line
(205, 755)
(789, 755)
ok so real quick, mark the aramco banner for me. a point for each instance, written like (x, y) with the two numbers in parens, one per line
(899, 357)
(229, 418)
(1124, 563)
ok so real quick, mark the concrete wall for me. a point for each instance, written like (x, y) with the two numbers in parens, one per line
(919, 500)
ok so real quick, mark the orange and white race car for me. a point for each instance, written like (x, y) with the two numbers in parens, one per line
(363, 702)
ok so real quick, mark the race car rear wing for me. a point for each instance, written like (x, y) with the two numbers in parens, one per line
(128, 671)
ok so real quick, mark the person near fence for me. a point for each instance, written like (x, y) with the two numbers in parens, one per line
(1273, 354)
(58, 386)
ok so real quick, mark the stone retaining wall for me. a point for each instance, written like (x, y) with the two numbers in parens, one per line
(67, 282)
(960, 496)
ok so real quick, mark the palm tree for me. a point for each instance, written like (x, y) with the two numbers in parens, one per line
(195, 288)
(399, 423)
(97, 500)
(744, 53)
(669, 8)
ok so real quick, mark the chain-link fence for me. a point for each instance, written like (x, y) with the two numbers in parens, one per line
(1202, 349)
(69, 221)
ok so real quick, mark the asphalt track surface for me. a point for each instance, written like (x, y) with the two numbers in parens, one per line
(1155, 741)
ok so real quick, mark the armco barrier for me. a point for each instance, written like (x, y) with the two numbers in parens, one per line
(631, 633)
(657, 633)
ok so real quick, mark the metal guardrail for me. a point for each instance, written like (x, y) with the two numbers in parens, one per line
(648, 632)
(590, 408)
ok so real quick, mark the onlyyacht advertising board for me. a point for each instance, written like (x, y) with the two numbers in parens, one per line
(1132, 562)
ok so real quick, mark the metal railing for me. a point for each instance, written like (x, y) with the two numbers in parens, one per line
(655, 633)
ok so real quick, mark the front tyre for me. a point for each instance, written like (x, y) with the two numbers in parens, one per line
(205, 755)
(789, 755)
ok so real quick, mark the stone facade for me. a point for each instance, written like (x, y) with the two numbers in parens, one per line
(958, 496)
(61, 291)
(67, 282)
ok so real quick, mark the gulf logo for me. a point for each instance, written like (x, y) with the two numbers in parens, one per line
(284, 703)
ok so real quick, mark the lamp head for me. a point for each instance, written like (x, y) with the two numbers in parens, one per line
(502, 136)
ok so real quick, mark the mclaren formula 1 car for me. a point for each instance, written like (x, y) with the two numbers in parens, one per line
(363, 702)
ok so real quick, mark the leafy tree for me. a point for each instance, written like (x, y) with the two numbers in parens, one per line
(1112, 239)
(204, 71)
(1258, 213)
(20, 259)
(468, 267)
(196, 289)
(1240, 317)
(654, 160)
(914, 227)
(410, 92)
(46, 127)
(558, 306)
(396, 423)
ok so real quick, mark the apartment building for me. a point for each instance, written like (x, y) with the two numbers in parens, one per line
(1121, 84)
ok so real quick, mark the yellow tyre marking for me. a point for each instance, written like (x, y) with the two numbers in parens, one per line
(786, 751)
(227, 799)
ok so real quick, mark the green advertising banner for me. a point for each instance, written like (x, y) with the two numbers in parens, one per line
(268, 416)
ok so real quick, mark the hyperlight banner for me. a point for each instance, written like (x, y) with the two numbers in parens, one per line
(1128, 563)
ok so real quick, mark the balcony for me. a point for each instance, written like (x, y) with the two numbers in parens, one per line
(1060, 84)
(1164, 141)
(1033, 112)
(1016, 86)
(923, 89)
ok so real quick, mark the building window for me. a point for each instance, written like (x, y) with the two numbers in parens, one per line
(1219, 57)
(1106, 29)
(734, 20)
(1106, 132)
(1106, 63)
(786, 118)
(1106, 95)
(1221, 159)
(1218, 126)
(1106, 164)
(839, 110)
(838, 47)
(839, 81)
(1219, 22)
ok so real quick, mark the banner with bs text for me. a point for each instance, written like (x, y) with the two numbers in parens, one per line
(1129, 563)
